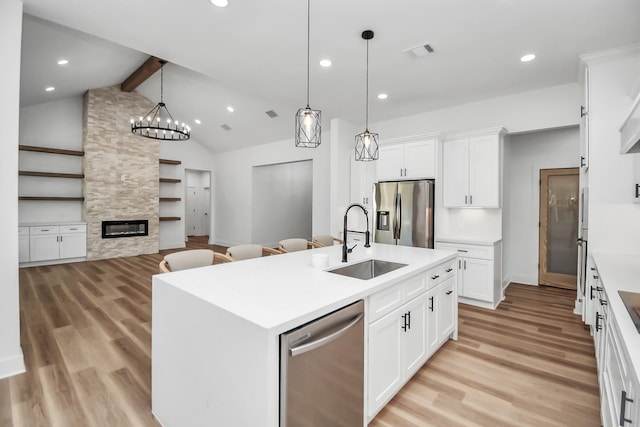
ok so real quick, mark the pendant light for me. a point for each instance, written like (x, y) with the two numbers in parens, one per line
(159, 123)
(367, 142)
(308, 121)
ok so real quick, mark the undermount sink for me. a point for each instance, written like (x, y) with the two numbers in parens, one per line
(368, 269)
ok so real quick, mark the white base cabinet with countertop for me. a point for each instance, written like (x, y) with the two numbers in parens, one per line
(479, 270)
(216, 330)
(42, 244)
(616, 338)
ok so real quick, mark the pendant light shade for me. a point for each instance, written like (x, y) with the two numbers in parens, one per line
(367, 142)
(159, 123)
(308, 121)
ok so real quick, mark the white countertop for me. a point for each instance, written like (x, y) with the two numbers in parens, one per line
(622, 273)
(471, 241)
(283, 291)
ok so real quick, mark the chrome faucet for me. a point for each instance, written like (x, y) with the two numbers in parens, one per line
(346, 250)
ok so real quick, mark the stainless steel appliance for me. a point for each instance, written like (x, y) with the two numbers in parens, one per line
(404, 213)
(631, 300)
(322, 371)
(582, 241)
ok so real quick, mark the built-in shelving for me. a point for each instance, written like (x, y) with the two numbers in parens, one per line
(170, 162)
(51, 174)
(169, 218)
(51, 150)
(171, 180)
(63, 199)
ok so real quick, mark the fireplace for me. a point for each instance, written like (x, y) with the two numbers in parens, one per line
(129, 228)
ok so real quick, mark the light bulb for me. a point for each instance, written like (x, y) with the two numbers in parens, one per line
(366, 140)
(307, 121)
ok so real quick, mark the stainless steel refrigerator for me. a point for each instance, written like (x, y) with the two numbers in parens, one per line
(404, 213)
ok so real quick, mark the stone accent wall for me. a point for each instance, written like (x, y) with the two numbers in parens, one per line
(121, 172)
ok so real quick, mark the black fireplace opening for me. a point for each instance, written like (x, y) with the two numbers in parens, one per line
(129, 228)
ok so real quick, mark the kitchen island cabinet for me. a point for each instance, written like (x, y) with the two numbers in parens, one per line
(216, 329)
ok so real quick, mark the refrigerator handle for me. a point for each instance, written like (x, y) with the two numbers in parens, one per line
(399, 216)
(395, 215)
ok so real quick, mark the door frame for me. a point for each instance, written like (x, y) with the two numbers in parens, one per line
(545, 278)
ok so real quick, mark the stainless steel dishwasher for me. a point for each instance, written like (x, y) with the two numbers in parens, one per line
(322, 371)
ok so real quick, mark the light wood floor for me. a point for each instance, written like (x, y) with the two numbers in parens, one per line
(86, 337)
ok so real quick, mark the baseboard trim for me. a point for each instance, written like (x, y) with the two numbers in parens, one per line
(12, 365)
(172, 245)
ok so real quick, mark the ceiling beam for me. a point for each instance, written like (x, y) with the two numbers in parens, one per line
(143, 72)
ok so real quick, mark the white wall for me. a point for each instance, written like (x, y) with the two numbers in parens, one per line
(521, 112)
(55, 124)
(525, 155)
(342, 147)
(614, 221)
(11, 360)
(233, 196)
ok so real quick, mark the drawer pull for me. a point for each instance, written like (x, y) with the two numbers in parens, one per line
(462, 250)
(598, 324)
(448, 270)
(596, 277)
(603, 301)
(44, 229)
(449, 292)
(623, 408)
(434, 277)
(73, 229)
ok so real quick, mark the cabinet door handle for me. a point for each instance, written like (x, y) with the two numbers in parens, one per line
(459, 265)
(637, 190)
(591, 292)
(471, 199)
(409, 321)
(598, 324)
(582, 162)
(623, 408)
(583, 111)
(596, 277)
(400, 171)
(404, 322)
(430, 303)
(603, 301)
(405, 171)
(465, 264)
(465, 200)
(61, 238)
(449, 292)
(593, 268)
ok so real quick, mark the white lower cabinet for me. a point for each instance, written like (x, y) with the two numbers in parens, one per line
(479, 271)
(407, 323)
(48, 243)
(23, 244)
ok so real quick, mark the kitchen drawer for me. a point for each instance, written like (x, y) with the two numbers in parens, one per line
(413, 287)
(75, 228)
(468, 250)
(23, 231)
(37, 231)
(385, 302)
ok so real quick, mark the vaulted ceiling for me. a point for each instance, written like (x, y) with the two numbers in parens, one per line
(252, 55)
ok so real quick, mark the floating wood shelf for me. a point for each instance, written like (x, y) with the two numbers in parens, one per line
(170, 199)
(172, 180)
(63, 199)
(50, 150)
(169, 218)
(51, 174)
(170, 162)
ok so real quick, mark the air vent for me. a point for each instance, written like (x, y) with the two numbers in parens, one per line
(271, 113)
(225, 127)
(421, 50)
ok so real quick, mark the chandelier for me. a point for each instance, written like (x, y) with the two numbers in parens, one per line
(367, 142)
(308, 121)
(159, 123)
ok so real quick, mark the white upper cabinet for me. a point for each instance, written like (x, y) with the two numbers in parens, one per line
(472, 170)
(409, 160)
(363, 175)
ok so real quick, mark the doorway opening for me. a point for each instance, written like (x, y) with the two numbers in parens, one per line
(198, 203)
(559, 222)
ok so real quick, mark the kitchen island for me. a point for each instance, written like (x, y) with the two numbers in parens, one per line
(216, 329)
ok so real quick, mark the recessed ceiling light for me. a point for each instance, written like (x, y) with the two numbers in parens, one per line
(50, 89)
(325, 63)
(220, 3)
(230, 109)
(528, 57)
(63, 62)
(197, 121)
(382, 96)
